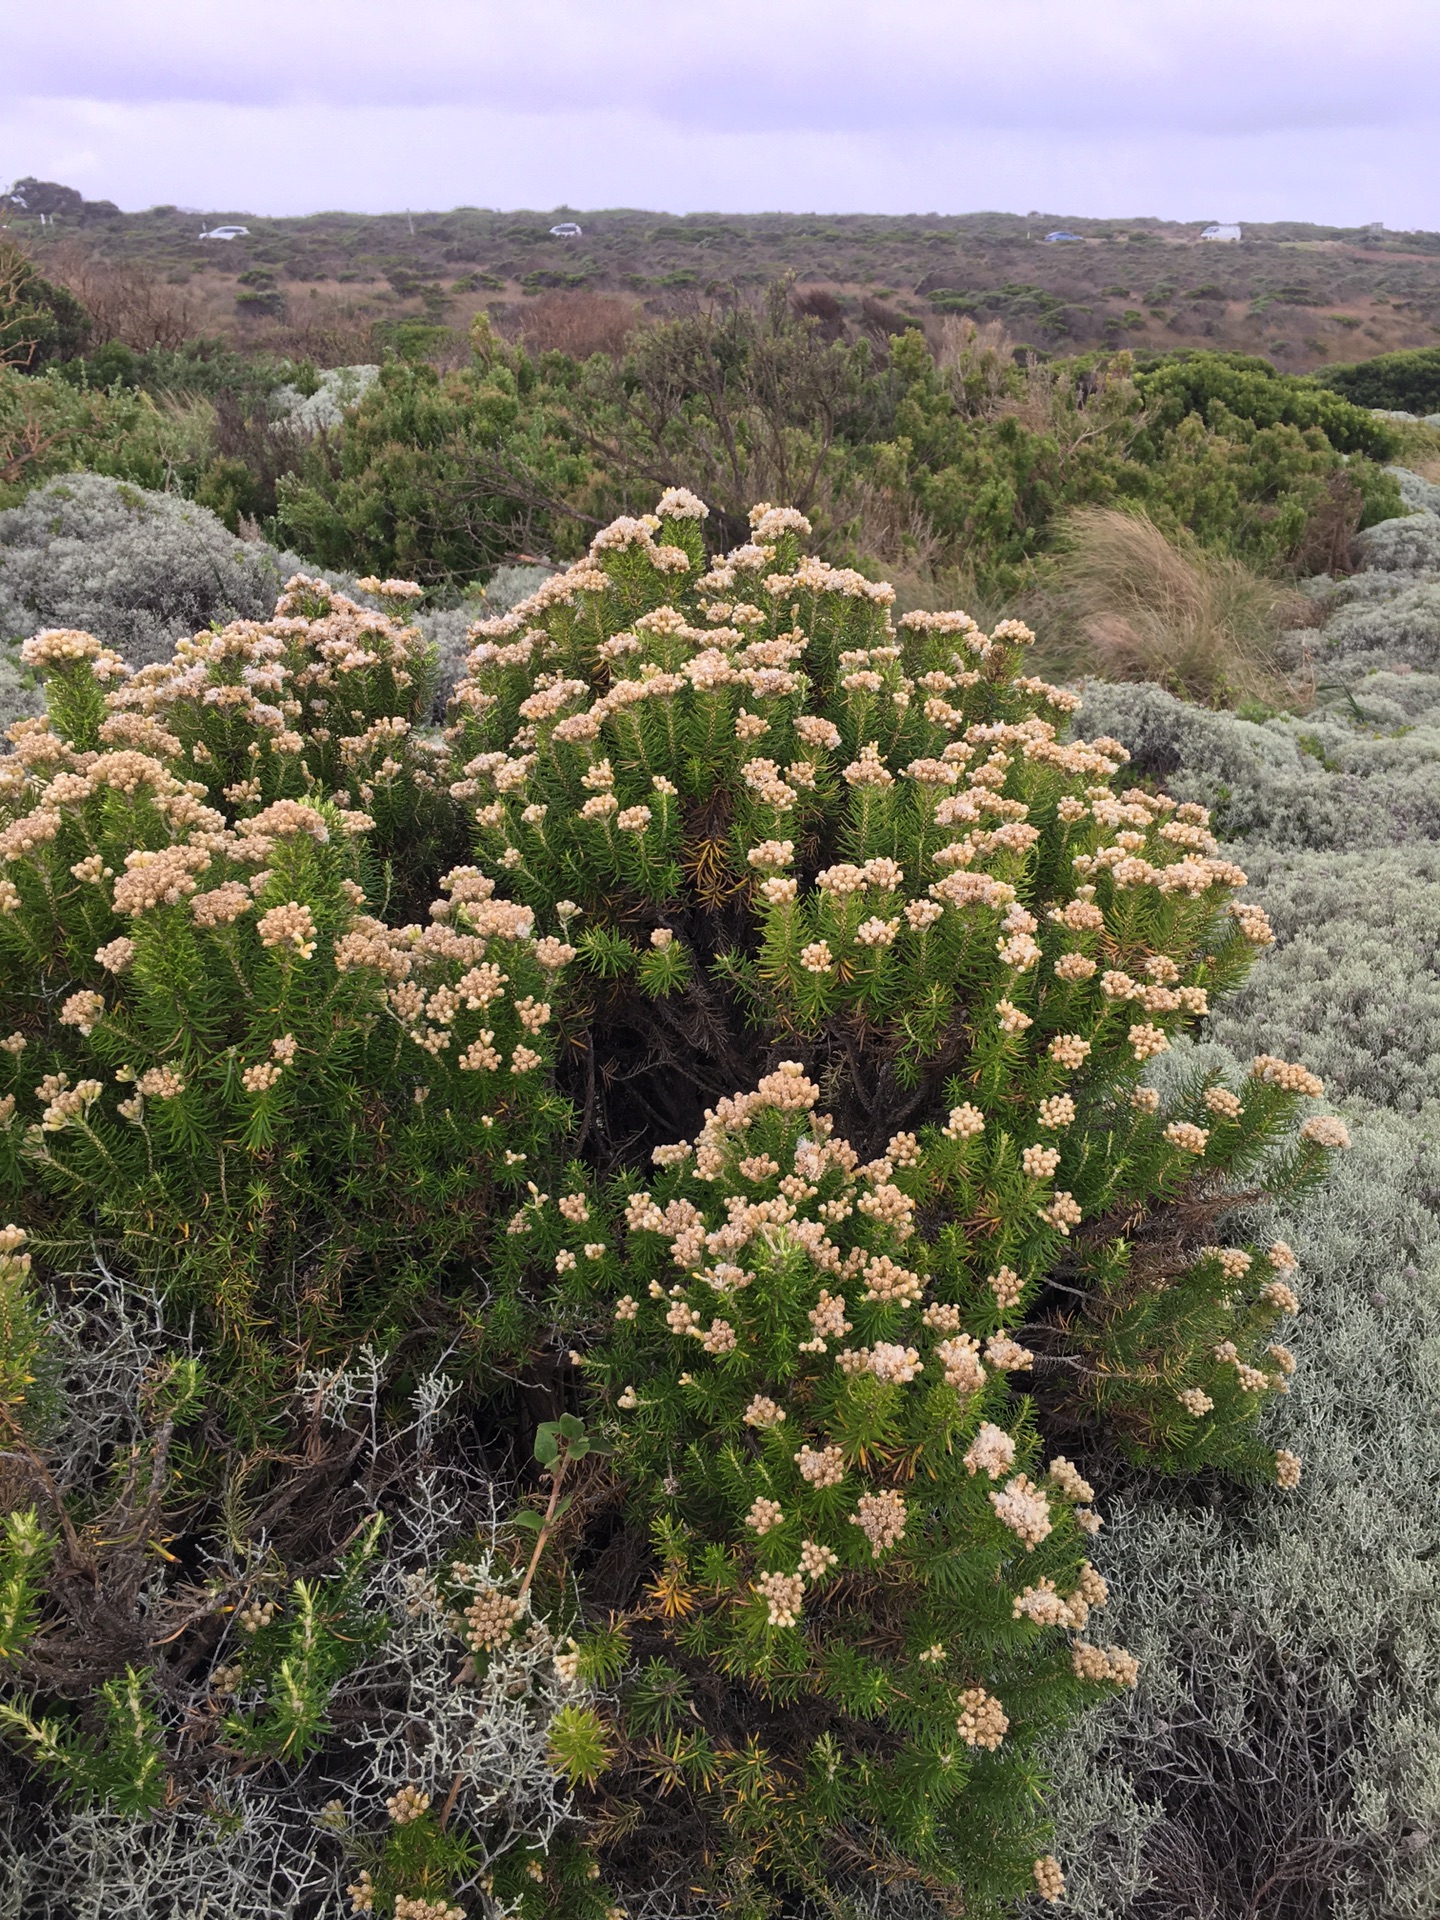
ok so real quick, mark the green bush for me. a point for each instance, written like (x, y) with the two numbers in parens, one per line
(487, 1072)
(48, 427)
(39, 322)
(1220, 388)
(1239, 455)
(438, 476)
(958, 459)
(965, 460)
(1402, 382)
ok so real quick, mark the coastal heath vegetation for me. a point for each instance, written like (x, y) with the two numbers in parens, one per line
(926, 448)
(625, 1240)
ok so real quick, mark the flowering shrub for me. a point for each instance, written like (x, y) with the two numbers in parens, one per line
(215, 1051)
(840, 1507)
(340, 1032)
(775, 750)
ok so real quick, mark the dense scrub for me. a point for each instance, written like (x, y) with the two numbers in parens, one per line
(1406, 382)
(955, 451)
(562, 1269)
(39, 322)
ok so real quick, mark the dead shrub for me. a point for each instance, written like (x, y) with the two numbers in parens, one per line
(125, 301)
(824, 308)
(883, 524)
(328, 331)
(1328, 542)
(881, 322)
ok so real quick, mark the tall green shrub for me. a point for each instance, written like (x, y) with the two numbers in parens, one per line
(49, 427)
(723, 1048)
(1246, 459)
(1406, 382)
(441, 476)
(39, 322)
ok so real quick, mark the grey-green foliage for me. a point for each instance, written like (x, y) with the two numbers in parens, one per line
(266, 1845)
(1418, 493)
(19, 696)
(138, 569)
(1324, 781)
(1287, 1723)
(1381, 620)
(141, 570)
(446, 628)
(1282, 1754)
(1363, 769)
(1353, 984)
(1408, 544)
(324, 409)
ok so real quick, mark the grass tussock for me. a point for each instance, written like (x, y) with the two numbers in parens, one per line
(1126, 601)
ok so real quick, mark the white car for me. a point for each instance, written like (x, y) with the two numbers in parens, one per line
(227, 233)
(567, 230)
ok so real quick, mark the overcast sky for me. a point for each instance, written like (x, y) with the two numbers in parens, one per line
(1226, 109)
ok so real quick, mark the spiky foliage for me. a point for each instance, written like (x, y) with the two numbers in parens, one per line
(396, 1720)
(218, 1058)
(786, 827)
(780, 844)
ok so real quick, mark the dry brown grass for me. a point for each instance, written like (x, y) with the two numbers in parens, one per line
(1126, 602)
(331, 331)
(580, 323)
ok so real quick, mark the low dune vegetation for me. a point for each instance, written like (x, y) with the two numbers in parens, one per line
(684, 1233)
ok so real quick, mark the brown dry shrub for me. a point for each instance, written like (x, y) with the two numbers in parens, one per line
(881, 322)
(330, 332)
(824, 308)
(125, 301)
(1127, 602)
(1328, 542)
(580, 324)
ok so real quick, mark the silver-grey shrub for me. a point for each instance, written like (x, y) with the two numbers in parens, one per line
(1419, 494)
(1282, 1753)
(339, 388)
(138, 569)
(1353, 983)
(241, 1846)
(1281, 1756)
(446, 628)
(141, 570)
(1317, 782)
(19, 697)
(1369, 630)
(1410, 543)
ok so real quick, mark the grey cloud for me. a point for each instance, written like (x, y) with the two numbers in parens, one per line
(839, 66)
(370, 159)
